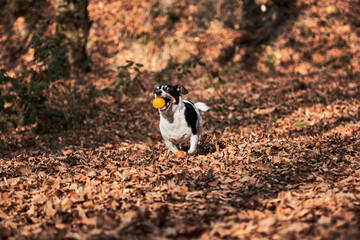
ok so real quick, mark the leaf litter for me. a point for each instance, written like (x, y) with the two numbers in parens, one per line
(261, 177)
(278, 159)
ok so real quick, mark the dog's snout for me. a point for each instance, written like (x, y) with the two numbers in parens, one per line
(158, 92)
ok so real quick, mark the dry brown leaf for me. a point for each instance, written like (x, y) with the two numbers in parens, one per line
(183, 190)
(214, 183)
(109, 146)
(251, 180)
(294, 227)
(49, 210)
(67, 152)
(66, 204)
(267, 223)
(324, 220)
(31, 210)
(56, 184)
(39, 199)
(180, 154)
(234, 176)
(89, 221)
(3, 214)
(60, 226)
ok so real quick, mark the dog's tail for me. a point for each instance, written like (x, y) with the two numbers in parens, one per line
(202, 106)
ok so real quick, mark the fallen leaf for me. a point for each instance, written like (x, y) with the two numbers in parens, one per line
(295, 227)
(66, 204)
(109, 146)
(49, 210)
(213, 183)
(324, 220)
(56, 184)
(67, 152)
(31, 210)
(60, 226)
(3, 214)
(249, 179)
(180, 154)
(89, 221)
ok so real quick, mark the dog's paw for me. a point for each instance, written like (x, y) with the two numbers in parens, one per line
(192, 152)
(180, 154)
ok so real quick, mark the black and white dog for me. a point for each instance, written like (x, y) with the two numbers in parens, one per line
(180, 120)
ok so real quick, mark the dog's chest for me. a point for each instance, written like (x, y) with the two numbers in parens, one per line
(176, 131)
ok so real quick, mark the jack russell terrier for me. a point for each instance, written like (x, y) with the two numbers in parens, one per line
(180, 120)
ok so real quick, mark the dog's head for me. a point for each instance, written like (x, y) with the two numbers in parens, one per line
(171, 94)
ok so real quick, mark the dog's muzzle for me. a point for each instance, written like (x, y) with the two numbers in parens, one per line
(168, 98)
(158, 93)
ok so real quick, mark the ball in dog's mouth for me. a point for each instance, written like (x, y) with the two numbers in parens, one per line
(158, 102)
(167, 104)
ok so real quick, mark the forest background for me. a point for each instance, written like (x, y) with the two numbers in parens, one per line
(81, 156)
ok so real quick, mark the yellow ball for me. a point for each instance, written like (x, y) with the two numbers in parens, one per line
(158, 102)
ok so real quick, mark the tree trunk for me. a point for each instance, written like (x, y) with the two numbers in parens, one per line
(72, 30)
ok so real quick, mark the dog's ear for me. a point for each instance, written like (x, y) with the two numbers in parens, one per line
(181, 89)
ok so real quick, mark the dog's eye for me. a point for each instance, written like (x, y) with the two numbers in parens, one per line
(167, 89)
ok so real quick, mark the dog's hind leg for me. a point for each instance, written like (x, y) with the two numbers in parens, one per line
(193, 143)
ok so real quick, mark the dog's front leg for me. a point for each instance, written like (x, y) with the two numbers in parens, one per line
(193, 144)
(172, 147)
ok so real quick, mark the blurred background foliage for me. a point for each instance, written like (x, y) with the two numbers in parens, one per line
(128, 40)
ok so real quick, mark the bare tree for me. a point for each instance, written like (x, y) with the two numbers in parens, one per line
(72, 30)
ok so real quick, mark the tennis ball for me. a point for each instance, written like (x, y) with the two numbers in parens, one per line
(158, 102)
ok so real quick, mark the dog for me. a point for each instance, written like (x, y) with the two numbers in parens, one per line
(180, 120)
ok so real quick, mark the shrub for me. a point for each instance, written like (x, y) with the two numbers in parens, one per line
(32, 98)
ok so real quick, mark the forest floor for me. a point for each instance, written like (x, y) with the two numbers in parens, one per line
(278, 159)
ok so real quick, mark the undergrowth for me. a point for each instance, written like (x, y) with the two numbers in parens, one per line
(40, 97)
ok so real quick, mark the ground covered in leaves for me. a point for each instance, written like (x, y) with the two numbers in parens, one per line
(279, 158)
(279, 154)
